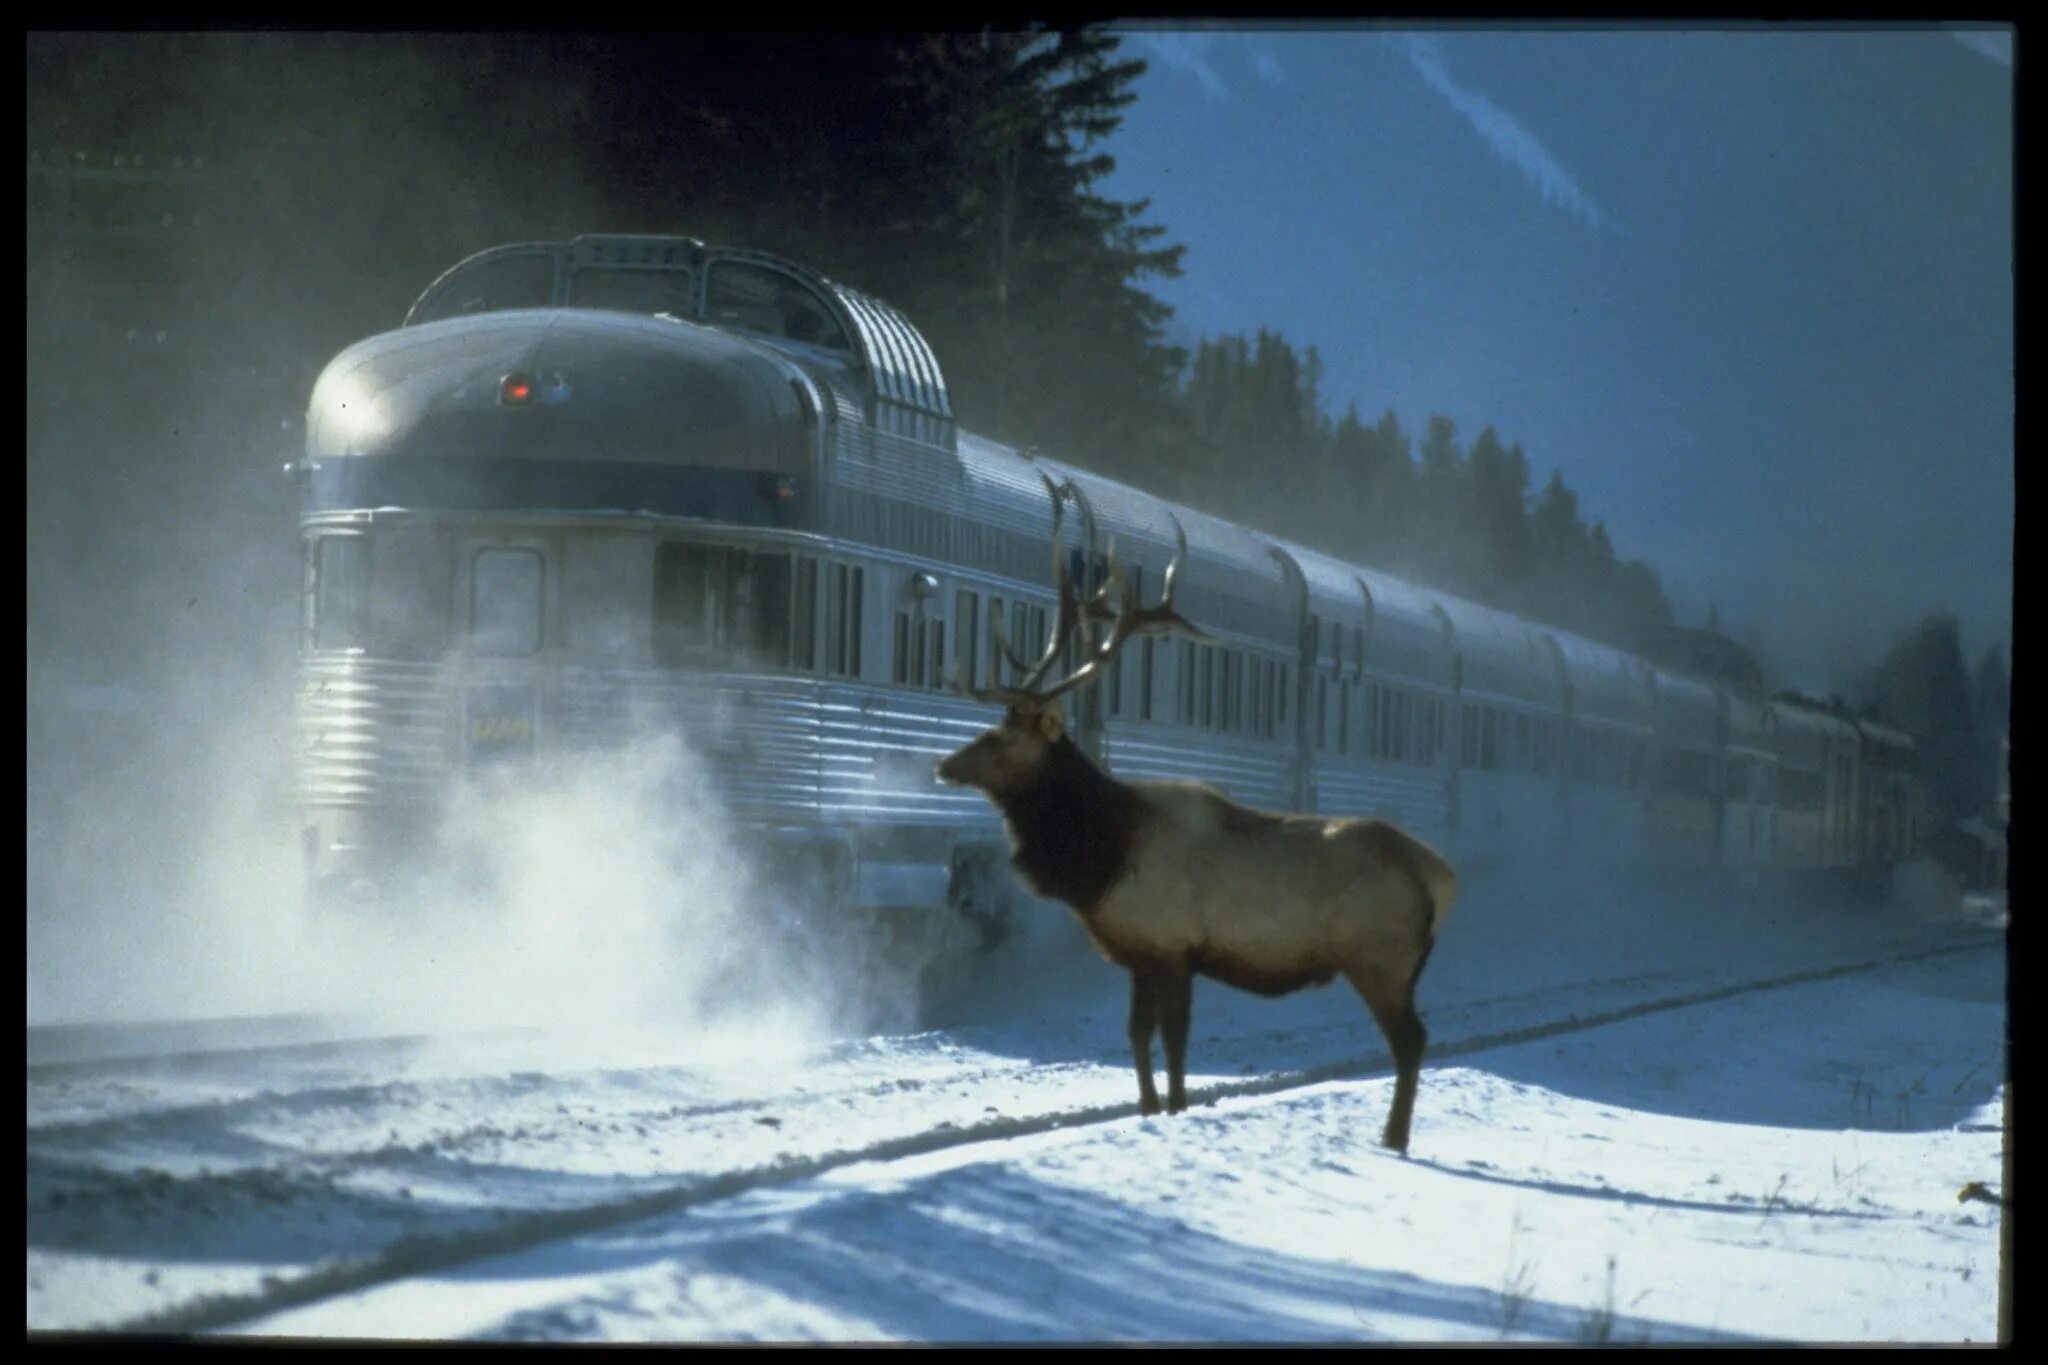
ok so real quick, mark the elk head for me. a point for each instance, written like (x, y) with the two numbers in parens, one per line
(1011, 753)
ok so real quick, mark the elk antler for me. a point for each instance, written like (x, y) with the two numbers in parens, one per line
(1127, 619)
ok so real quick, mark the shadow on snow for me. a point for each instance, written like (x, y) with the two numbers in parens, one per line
(983, 1253)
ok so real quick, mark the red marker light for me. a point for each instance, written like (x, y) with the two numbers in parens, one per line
(785, 489)
(517, 388)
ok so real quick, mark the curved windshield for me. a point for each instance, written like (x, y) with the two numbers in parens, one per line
(764, 300)
(635, 291)
(526, 280)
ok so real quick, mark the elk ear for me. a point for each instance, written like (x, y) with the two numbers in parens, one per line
(1051, 724)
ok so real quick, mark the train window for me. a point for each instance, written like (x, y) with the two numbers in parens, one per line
(518, 281)
(910, 639)
(1286, 686)
(341, 592)
(966, 615)
(764, 300)
(1145, 667)
(1468, 736)
(1206, 680)
(938, 670)
(1344, 715)
(995, 645)
(842, 620)
(804, 619)
(1403, 715)
(1489, 737)
(1322, 707)
(763, 596)
(684, 617)
(712, 605)
(505, 601)
(1215, 682)
(1035, 627)
(1027, 631)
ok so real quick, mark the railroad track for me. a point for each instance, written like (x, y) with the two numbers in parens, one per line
(414, 1255)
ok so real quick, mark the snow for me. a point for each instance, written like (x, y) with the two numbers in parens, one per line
(1778, 1164)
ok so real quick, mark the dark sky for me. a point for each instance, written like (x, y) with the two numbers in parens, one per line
(1751, 291)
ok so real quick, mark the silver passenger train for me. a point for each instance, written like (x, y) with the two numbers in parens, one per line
(628, 482)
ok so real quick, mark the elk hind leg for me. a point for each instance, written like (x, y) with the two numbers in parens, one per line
(1176, 987)
(1144, 1017)
(1392, 1002)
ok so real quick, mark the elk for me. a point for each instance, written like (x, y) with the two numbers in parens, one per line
(1171, 880)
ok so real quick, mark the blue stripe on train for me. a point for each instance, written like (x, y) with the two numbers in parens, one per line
(743, 497)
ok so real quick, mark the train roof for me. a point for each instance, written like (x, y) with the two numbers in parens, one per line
(1607, 684)
(1688, 707)
(1231, 582)
(1884, 734)
(1506, 658)
(1805, 730)
(1750, 722)
(833, 328)
(606, 387)
(1406, 630)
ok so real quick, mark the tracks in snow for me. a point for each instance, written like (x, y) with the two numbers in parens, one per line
(413, 1255)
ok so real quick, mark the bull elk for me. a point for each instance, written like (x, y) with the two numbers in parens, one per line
(1171, 880)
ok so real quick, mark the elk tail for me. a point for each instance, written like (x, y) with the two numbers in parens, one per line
(1438, 879)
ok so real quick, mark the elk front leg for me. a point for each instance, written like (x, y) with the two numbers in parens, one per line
(1144, 1015)
(1176, 1002)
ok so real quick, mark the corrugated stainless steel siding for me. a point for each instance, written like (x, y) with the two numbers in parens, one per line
(371, 731)
(1414, 797)
(787, 751)
(1255, 773)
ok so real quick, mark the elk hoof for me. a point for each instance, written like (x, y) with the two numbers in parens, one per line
(1176, 1104)
(1148, 1106)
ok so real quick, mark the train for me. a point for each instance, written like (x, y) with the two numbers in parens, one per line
(586, 488)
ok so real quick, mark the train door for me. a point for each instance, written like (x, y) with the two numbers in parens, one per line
(504, 638)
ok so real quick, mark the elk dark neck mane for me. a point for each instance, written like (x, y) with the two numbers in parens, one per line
(1071, 827)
